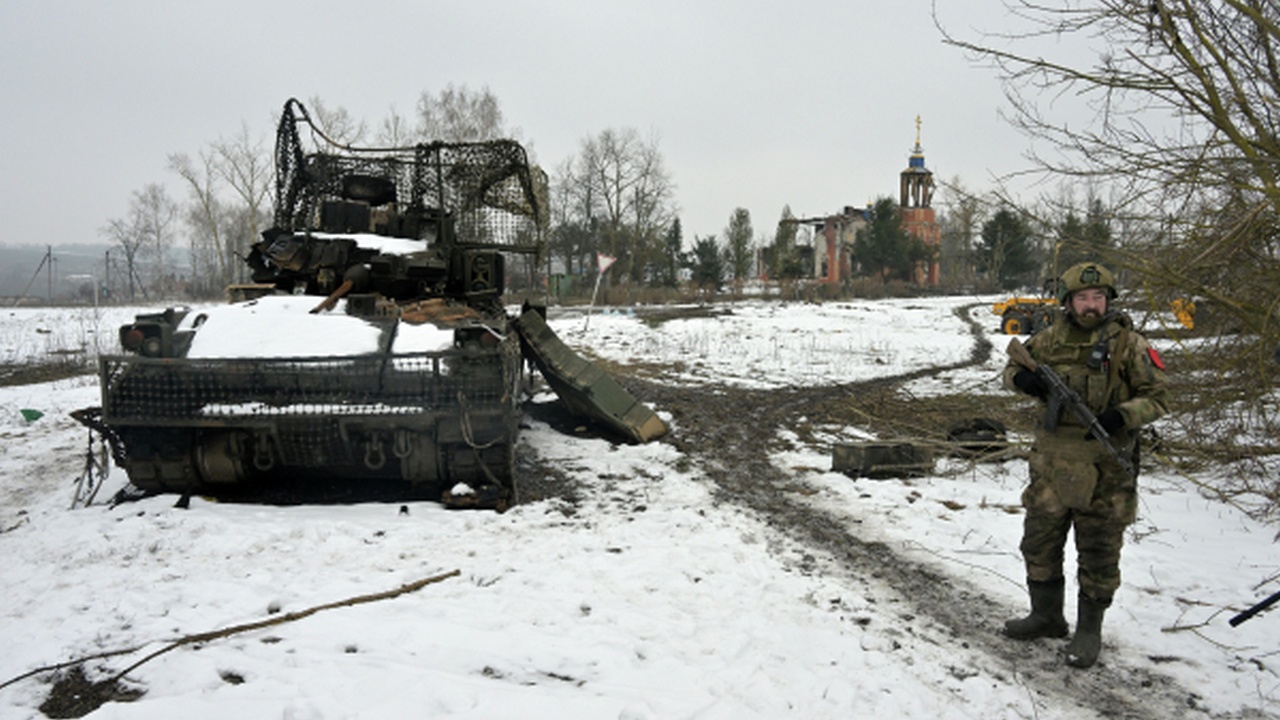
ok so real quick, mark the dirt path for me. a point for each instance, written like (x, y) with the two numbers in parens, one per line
(938, 609)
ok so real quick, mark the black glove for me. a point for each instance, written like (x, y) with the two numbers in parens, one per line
(1030, 383)
(1111, 420)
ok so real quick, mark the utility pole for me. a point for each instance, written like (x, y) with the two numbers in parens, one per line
(106, 273)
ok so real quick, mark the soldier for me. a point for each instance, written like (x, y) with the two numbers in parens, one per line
(1075, 483)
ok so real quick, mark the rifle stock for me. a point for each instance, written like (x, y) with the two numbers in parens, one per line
(1061, 394)
(1254, 610)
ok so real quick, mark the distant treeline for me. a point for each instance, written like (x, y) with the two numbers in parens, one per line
(72, 274)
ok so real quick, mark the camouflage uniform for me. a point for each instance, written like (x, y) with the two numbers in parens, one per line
(1075, 481)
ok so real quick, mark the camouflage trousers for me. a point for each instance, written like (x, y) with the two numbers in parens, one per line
(1076, 485)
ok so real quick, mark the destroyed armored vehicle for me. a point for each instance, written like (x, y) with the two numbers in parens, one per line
(372, 346)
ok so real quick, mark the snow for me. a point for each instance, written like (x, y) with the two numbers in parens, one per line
(378, 243)
(422, 338)
(45, 334)
(769, 345)
(254, 329)
(273, 326)
(646, 600)
(259, 328)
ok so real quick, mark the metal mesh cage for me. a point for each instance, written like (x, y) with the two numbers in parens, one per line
(493, 195)
(210, 392)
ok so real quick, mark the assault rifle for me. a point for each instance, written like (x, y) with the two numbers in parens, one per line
(1061, 394)
(1254, 610)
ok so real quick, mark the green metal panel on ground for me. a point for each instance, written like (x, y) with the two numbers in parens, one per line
(582, 386)
(882, 459)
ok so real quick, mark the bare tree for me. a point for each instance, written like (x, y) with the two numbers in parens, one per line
(652, 210)
(607, 175)
(459, 114)
(204, 214)
(156, 214)
(629, 192)
(962, 220)
(1183, 136)
(146, 233)
(396, 130)
(246, 166)
(123, 232)
(337, 123)
(572, 216)
(1183, 132)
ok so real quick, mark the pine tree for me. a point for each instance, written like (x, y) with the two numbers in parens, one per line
(738, 240)
(707, 264)
(1004, 252)
(882, 247)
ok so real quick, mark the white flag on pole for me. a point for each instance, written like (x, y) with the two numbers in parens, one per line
(603, 262)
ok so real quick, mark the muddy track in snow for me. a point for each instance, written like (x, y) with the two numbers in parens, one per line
(730, 432)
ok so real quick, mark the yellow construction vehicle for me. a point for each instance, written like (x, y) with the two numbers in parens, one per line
(1185, 310)
(1024, 315)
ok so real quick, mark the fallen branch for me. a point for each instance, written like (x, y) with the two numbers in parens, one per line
(235, 629)
(70, 663)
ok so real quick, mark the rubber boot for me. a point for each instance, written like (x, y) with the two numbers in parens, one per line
(1046, 618)
(1083, 650)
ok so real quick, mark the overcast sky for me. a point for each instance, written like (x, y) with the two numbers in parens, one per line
(755, 104)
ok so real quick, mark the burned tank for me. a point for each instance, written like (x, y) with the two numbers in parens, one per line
(371, 347)
(372, 351)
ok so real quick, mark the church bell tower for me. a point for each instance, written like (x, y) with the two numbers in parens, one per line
(915, 188)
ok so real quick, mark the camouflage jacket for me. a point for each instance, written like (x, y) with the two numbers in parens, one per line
(1126, 373)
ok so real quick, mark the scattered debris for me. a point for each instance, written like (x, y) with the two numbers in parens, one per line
(878, 460)
(978, 436)
(73, 695)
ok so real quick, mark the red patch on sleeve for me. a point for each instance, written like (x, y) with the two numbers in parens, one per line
(1155, 357)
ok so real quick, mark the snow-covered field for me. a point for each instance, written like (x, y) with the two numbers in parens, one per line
(30, 335)
(645, 601)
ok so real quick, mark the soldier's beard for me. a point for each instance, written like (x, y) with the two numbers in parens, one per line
(1089, 319)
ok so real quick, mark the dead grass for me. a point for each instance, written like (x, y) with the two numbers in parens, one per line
(29, 373)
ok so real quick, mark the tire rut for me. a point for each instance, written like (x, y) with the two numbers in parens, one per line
(729, 432)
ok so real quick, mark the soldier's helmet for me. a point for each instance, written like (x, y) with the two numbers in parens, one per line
(1086, 275)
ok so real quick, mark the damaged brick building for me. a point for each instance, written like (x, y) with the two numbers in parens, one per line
(835, 234)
